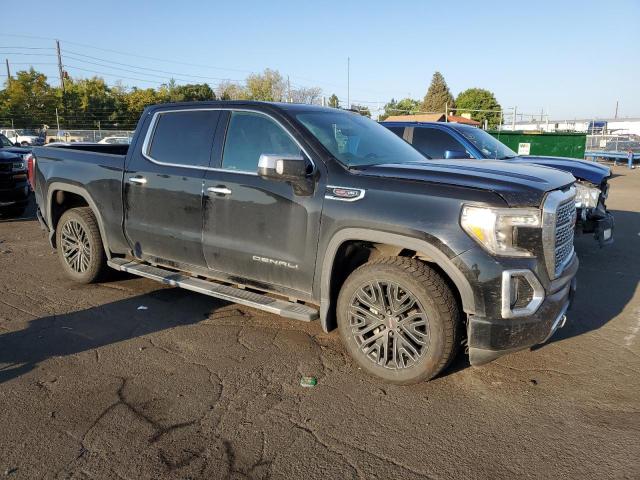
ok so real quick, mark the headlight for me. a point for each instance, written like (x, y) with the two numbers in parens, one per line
(18, 166)
(586, 195)
(495, 228)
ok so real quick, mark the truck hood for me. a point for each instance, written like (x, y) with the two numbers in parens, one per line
(520, 185)
(581, 169)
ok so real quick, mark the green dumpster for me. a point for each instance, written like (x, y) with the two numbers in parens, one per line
(554, 144)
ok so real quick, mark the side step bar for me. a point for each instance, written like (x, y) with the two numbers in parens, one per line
(286, 309)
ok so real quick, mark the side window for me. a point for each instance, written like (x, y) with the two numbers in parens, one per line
(399, 131)
(433, 143)
(249, 135)
(184, 138)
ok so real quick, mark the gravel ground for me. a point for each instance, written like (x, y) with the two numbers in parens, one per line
(92, 385)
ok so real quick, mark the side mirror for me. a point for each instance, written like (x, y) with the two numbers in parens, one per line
(282, 167)
(452, 154)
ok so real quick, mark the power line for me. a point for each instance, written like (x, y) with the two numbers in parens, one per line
(165, 60)
(148, 74)
(70, 54)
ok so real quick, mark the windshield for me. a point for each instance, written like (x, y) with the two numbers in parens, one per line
(355, 140)
(5, 142)
(487, 144)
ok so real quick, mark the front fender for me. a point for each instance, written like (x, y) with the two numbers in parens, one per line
(404, 242)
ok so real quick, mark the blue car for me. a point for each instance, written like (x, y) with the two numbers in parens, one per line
(457, 141)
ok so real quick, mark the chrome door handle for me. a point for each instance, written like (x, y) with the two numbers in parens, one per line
(138, 180)
(219, 190)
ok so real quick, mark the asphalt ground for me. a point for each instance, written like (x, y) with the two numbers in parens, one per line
(129, 379)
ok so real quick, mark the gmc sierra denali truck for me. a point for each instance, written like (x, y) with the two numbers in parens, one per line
(312, 212)
(454, 140)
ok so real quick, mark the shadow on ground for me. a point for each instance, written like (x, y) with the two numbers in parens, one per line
(607, 279)
(59, 335)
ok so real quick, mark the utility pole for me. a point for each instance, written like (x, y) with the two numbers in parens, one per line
(61, 73)
(60, 70)
(288, 90)
(348, 82)
(615, 116)
(513, 121)
(6, 61)
(57, 123)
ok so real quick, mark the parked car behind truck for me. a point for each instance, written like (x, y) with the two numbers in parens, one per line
(312, 212)
(453, 140)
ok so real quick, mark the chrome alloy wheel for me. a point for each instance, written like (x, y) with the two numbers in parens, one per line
(389, 325)
(75, 246)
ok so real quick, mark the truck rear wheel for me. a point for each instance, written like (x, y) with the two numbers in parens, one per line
(398, 319)
(80, 245)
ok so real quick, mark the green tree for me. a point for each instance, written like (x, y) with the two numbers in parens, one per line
(406, 106)
(171, 92)
(333, 101)
(29, 100)
(438, 96)
(268, 86)
(88, 103)
(479, 99)
(137, 99)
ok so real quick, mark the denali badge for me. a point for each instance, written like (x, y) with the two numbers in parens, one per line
(346, 194)
(279, 263)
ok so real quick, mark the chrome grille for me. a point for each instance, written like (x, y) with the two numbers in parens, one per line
(565, 224)
(558, 223)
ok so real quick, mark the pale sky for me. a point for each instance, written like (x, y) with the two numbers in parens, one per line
(573, 59)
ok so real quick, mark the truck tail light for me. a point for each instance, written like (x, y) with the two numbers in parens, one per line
(31, 170)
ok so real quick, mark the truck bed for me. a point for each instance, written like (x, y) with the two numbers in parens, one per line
(93, 171)
(111, 149)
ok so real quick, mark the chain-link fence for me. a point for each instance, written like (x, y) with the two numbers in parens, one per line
(613, 143)
(61, 135)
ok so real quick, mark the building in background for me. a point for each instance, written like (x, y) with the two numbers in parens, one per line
(607, 126)
(432, 117)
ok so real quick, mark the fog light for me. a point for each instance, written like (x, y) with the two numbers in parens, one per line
(522, 293)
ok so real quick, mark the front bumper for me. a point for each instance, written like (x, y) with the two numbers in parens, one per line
(490, 338)
(13, 193)
(598, 221)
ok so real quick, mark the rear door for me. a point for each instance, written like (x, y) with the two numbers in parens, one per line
(163, 185)
(255, 228)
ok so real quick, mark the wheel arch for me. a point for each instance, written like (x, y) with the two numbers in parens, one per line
(393, 244)
(58, 187)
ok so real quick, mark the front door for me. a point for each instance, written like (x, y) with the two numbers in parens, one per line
(254, 228)
(163, 187)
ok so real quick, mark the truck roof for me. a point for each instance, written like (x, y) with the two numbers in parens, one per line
(456, 126)
(298, 107)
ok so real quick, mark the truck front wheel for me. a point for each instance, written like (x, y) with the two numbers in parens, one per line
(398, 319)
(79, 245)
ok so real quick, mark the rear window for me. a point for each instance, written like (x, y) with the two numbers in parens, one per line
(184, 138)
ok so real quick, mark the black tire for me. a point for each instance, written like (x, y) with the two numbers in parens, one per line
(421, 351)
(79, 225)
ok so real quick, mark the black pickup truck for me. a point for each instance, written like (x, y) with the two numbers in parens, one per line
(313, 212)
(14, 189)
